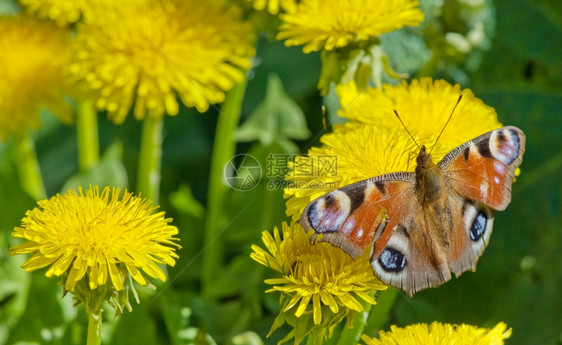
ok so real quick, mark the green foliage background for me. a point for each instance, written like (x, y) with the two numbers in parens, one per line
(518, 279)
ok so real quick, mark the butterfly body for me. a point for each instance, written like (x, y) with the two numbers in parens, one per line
(424, 225)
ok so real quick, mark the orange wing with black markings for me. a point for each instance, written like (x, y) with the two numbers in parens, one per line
(483, 168)
(480, 174)
(349, 217)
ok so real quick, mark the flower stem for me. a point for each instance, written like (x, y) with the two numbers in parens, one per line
(430, 67)
(27, 166)
(223, 150)
(87, 134)
(378, 67)
(94, 329)
(351, 335)
(385, 302)
(148, 179)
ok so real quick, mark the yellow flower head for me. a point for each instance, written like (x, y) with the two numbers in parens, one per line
(149, 52)
(441, 334)
(374, 142)
(61, 11)
(319, 273)
(95, 236)
(359, 152)
(32, 72)
(337, 23)
(274, 6)
(424, 106)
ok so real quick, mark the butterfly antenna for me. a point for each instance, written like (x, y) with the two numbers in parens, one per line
(406, 128)
(446, 123)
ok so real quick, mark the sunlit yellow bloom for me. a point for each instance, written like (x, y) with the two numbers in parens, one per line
(360, 152)
(337, 23)
(274, 6)
(424, 105)
(314, 278)
(374, 142)
(95, 236)
(61, 11)
(33, 58)
(441, 334)
(152, 52)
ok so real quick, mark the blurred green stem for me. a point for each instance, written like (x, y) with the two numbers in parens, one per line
(430, 67)
(351, 335)
(87, 133)
(148, 179)
(378, 67)
(223, 150)
(371, 320)
(27, 166)
(379, 315)
(94, 329)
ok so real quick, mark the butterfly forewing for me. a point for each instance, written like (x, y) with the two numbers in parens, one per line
(483, 168)
(351, 216)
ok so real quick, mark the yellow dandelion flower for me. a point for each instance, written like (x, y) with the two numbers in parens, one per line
(442, 334)
(95, 236)
(275, 6)
(337, 23)
(32, 69)
(424, 105)
(62, 12)
(148, 53)
(360, 152)
(374, 142)
(314, 278)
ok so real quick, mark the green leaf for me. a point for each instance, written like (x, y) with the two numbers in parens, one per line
(526, 51)
(136, 327)
(15, 202)
(110, 171)
(225, 319)
(44, 295)
(332, 104)
(183, 201)
(176, 318)
(266, 199)
(379, 314)
(247, 338)
(14, 289)
(277, 116)
(237, 278)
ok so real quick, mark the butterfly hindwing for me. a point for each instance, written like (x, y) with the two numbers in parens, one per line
(411, 259)
(470, 234)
